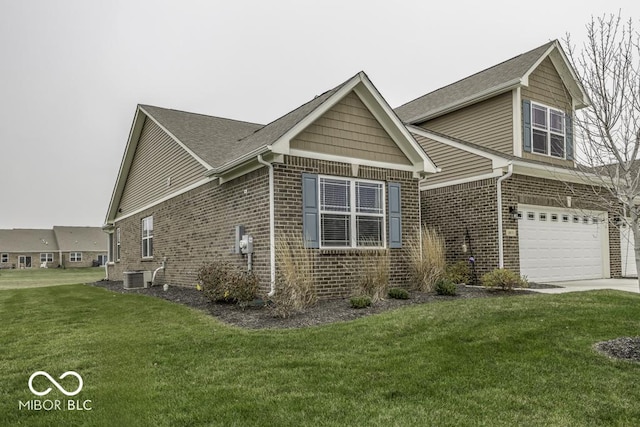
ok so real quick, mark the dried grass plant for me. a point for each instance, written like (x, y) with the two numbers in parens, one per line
(426, 254)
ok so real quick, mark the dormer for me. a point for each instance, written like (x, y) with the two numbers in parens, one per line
(522, 107)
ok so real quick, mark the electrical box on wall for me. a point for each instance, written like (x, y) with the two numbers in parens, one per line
(239, 234)
(246, 244)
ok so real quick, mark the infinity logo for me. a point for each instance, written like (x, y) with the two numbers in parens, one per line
(55, 383)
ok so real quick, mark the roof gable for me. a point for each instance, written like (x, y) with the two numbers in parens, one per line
(490, 82)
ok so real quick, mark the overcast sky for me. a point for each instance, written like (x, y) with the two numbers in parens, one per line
(73, 71)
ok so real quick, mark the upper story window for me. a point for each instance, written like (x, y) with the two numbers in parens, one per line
(547, 131)
(351, 213)
(147, 237)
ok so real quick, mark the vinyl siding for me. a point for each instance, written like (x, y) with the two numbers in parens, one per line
(350, 130)
(455, 163)
(546, 87)
(488, 123)
(157, 158)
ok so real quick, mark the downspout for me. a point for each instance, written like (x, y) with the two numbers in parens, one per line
(272, 231)
(500, 239)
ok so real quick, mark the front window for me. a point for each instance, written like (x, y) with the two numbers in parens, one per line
(147, 237)
(46, 257)
(4, 258)
(351, 213)
(75, 256)
(547, 131)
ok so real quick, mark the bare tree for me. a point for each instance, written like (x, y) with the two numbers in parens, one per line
(607, 133)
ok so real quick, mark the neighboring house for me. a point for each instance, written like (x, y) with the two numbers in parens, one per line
(342, 170)
(59, 247)
(509, 192)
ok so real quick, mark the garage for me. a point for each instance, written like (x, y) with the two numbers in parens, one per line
(627, 255)
(562, 244)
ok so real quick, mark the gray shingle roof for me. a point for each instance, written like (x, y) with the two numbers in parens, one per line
(210, 138)
(471, 87)
(88, 239)
(27, 240)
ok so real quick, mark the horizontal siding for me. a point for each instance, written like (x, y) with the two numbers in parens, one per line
(455, 163)
(488, 123)
(157, 158)
(546, 87)
(350, 130)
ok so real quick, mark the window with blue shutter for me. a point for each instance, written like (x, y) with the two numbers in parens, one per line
(395, 216)
(569, 130)
(526, 125)
(310, 213)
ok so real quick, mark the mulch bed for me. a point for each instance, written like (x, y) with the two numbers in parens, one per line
(339, 310)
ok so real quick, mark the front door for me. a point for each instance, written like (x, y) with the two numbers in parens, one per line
(24, 261)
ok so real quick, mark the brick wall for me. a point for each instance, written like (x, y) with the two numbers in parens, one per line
(470, 207)
(197, 227)
(473, 206)
(337, 271)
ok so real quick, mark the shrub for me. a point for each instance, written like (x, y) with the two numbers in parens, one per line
(458, 272)
(503, 279)
(222, 282)
(295, 286)
(426, 259)
(374, 273)
(398, 293)
(446, 287)
(361, 301)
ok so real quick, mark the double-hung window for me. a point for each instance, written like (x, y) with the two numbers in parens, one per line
(117, 244)
(547, 131)
(75, 256)
(46, 257)
(4, 258)
(147, 237)
(352, 213)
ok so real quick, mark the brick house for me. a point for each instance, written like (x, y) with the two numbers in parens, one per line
(342, 170)
(509, 192)
(58, 247)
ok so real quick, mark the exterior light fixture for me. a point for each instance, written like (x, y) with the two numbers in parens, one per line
(513, 211)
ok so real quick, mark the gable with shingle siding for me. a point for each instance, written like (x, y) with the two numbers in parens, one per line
(160, 167)
(349, 129)
(546, 87)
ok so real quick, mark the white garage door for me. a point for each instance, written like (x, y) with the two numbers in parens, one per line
(562, 244)
(627, 254)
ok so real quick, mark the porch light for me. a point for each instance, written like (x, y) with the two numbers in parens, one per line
(513, 211)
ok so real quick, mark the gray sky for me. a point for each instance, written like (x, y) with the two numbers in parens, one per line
(73, 71)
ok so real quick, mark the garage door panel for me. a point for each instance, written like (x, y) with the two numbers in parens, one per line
(553, 250)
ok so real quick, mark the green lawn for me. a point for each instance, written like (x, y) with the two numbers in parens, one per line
(512, 361)
(39, 277)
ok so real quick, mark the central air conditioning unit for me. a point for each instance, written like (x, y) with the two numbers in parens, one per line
(137, 279)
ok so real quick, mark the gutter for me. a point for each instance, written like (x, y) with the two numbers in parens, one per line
(500, 237)
(272, 231)
(229, 165)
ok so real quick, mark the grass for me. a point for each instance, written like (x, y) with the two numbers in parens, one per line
(39, 277)
(498, 361)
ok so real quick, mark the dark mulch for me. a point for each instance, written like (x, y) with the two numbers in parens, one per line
(626, 348)
(323, 312)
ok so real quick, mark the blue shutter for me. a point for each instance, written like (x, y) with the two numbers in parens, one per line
(310, 212)
(569, 135)
(395, 216)
(526, 125)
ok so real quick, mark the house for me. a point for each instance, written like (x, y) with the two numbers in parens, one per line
(509, 194)
(342, 170)
(57, 247)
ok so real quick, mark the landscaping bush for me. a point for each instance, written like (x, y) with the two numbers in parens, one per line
(425, 252)
(398, 293)
(374, 273)
(503, 279)
(295, 286)
(222, 282)
(458, 272)
(361, 301)
(446, 287)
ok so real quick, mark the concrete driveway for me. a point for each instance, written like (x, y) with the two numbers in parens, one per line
(628, 285)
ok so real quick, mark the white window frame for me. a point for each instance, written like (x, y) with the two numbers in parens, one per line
(147, 241)
(4, 258)
(46, 257)
(548, 131)
(75, 256)
(353, 213)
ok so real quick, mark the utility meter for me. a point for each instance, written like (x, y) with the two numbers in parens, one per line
(246, 244)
